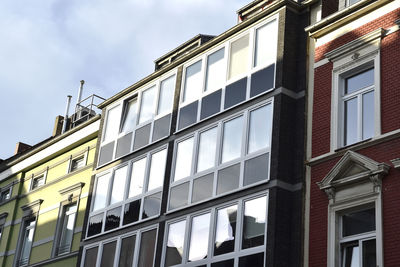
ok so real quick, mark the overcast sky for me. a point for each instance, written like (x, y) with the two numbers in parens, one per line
(48, 46)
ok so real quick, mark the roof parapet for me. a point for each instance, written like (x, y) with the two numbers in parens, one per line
(181, 50)
(252, 9)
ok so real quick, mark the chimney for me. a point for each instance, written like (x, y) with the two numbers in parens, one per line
(58, 124)
(64, 126)
(21, 147)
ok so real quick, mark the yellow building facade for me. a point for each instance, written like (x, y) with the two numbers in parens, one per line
(43, 197)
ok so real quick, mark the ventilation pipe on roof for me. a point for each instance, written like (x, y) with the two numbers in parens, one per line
(78, 100)
(64, 128)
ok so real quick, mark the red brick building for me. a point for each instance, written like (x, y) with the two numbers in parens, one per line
(352, 208)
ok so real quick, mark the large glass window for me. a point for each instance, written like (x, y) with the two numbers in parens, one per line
(111, 124)
(222, 157)
(193, 82)
(205, 236)
(128, 121)
(265, 45)
(38, 181)
(358, 104)
(143, 178)
(215, 76)
(239, 56)
(27, 241)
(147, 105)
(67, 229)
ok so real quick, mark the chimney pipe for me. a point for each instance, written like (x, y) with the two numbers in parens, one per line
(64, 128)
(80, 93)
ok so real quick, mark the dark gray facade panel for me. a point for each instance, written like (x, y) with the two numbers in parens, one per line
(235, 93)
(228, 179)
(179, 196)
(211, 104)
(124, 145)
(202, 187)
(142, 136)
(161, 127)
(188, 115)
(262, 80)
(256, 169)
(106, 153)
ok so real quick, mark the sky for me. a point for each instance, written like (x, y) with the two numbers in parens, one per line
(48, 46)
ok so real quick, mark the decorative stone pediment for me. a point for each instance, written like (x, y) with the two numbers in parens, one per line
(353, 170)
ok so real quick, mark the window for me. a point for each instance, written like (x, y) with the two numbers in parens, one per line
(358, 104)
(66, 232)
(5, 194)
(38, 181)
(352, 2)
(138, 120)
(223, 157)
(133, 249)
(355, 91)
(26, 242)
(205, 236)
(233, 72)
(77, 163)
(128, 194)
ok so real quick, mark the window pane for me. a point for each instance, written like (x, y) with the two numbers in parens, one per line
(351, 255)
(161, 127)
(207, 149)
(147, 104)
(127, 249)
(350, 121)
(199, 237)
(77, 163)
(368, 115)
(167, 88)
(239, 56)
(359, 81)
(176, 237)
(119, 181)
(27, 241)
(215, 70)
(254, 222)
(226, 231)
(358, 222)
(111, 124)
(113, 219)
(260, 128)
(183, 159)
(67, 232)
(137, 177)
(151, 206)
(227, 263)
(147, 248)
(179, 196)
(232, 139)
(128, 121)
(228, 179)
(202, 187)
(107, 257)
(131, 212)
(91, 257)
(256, 169)
(142, 136)
(37, 181)
(193, 82)
(95, 224)
(265, 47)
(255, 260)
(100, 196)
(156, 177)
(369, 253)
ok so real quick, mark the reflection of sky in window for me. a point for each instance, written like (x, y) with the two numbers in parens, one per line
(256, 208)
(119, 184)
(215, 70)
(184, 159)
(146, 107)
(232, 139)
(157, 168)
(129, 120)
(166, 94)
(101, 192)
(112, 122)
(199, 237)
(207, 147)
(193, 82)
(176, 236)
(224, 229)
(137, 177)
(260, 128)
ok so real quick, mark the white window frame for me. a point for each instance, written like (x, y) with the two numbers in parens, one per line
(21, 242)
(36, 176)
(126, 199)
(227, 46)
(120, 104)
(5, 190)
(238, 251)
(84, 157)
(138, 235)
(244, 156)
(60, 229)
(350, 59)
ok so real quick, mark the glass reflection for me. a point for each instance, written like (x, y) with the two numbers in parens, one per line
(226, 230)
(108, 254)
(215, 76)
(151, 206)
(359, 81)
(127, 247)
(131, 212)
(183, 159)
(176, 237)
(193, 82)
(100, 196)
(166, 95)
(254, 222)
(260, 128)
(368, 115)
(199, 237)
(113, 218)
(207, 148)
(95, 224)
(232, 139)
(350, 121)
(118, 189)
(156, 177)
(147, 105)
(137, 177)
